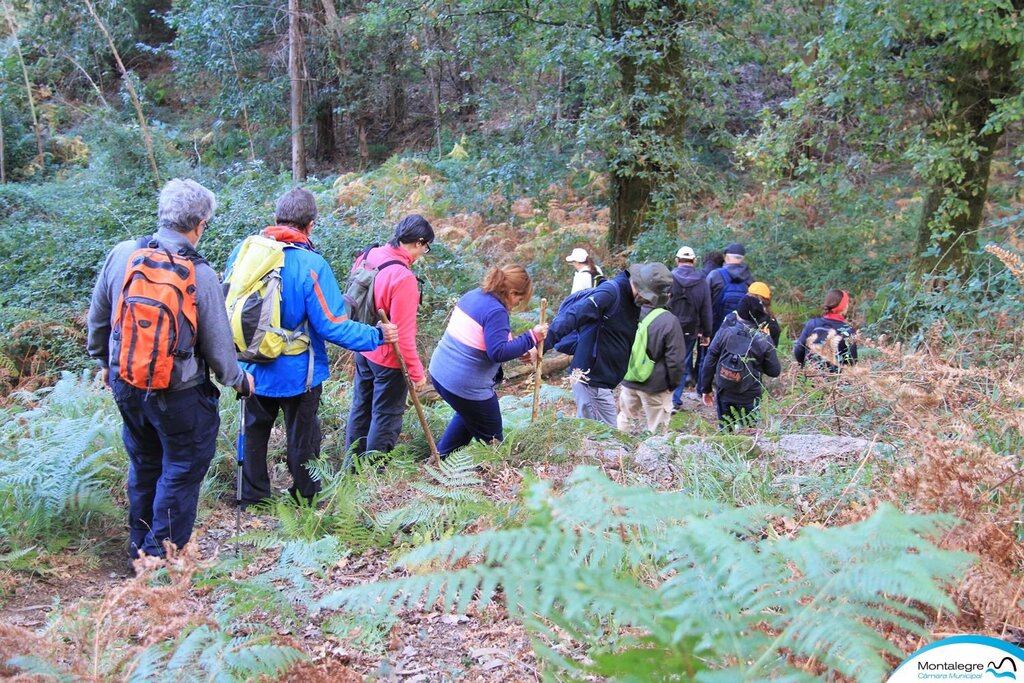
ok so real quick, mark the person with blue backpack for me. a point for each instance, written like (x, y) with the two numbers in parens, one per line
(827, 341)
(737, 358)
(728, 284)
(597, 326)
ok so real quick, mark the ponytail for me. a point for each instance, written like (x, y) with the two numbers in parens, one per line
(504, 281)
(836, 301)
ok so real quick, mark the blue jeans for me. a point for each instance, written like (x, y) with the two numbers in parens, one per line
(170, 437)
(690, 374)
(378, 405)
(302, 427)
(473, 420)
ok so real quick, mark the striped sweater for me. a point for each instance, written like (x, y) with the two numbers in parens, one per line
(477, 341)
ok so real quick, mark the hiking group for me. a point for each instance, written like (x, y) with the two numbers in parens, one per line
(160, 322)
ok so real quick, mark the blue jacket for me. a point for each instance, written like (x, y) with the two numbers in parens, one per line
(310, 295)
(606, 320)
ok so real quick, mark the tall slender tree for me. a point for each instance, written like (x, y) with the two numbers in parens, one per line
(295, 78)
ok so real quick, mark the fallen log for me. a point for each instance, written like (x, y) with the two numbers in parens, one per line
(555, 362)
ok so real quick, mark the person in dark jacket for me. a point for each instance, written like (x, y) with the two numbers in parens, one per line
(170, 434)
(711, 260)
(770, 325)
(737, 358)
(690, 302)
(311, 299)
(650, 401)
(828, 340)
(466, 363)
(606, 321)
(728, 284)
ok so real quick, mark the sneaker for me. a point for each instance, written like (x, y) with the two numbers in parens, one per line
(676, 407)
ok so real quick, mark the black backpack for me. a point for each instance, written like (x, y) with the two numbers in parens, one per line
(684, 308)
(738, 371)
(567, 344)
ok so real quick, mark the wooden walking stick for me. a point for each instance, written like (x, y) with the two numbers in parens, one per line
(435, 458)
(539, 363)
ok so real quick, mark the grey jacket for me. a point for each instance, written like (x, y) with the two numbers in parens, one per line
(666, 346)
(215, 348)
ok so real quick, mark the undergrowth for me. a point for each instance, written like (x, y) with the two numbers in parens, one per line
(620, 579)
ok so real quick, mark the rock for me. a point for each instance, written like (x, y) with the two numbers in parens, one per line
(803, 449)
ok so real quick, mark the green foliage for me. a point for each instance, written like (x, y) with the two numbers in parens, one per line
(60, 463)
(623, 570)
(931, 84)
(339, 511)
(975, 317)
(208, 653)
(450, 500)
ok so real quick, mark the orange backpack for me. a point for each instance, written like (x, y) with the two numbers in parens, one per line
(156, 318)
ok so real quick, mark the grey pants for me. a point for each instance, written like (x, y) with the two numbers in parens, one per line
(595, 403)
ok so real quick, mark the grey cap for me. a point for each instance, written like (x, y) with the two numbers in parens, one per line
(652, 282)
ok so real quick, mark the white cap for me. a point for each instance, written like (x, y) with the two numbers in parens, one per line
(686, 254)
(578, 255)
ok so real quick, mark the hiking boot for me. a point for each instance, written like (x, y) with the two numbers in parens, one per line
(676, 407)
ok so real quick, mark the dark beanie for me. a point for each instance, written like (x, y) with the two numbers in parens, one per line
(413, 228)
(751, 309)
(736, 248)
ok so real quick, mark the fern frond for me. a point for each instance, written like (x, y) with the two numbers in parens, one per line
(687, 574)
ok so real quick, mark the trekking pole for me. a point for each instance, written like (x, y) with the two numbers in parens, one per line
(435, 458)
(239, 457)
(538, 363)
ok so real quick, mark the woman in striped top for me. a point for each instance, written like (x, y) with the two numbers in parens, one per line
(466, 364)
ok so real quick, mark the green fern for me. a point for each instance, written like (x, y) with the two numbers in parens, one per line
(698, 581)
(60, 463)
(450, 499)
(338, 511)
(208, 654)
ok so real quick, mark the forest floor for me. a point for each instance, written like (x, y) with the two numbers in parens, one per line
(937, 470)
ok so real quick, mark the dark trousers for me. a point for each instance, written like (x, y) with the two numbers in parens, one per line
(473, 420)
(170, 437)
(732, 414)
(302, 429)
(378, 405)
(690, 373)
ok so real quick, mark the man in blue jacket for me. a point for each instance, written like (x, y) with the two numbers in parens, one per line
(606, 321)
(312, 300)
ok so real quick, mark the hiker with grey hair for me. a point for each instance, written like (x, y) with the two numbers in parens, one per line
(312, 312)
(379, 390)
(157, 328)
(604, 320)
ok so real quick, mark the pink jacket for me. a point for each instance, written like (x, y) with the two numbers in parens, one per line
(396, 290)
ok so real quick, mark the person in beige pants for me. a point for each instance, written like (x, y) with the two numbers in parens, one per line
(649, 403)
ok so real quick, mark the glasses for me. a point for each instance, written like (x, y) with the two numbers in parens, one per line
(427, 245)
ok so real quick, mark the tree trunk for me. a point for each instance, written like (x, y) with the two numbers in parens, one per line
(147, 140)
(9, 14)
(3, 150)
(947, 233)
(635, 179)
(295, 76)
(631, 199)
(324, 138)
